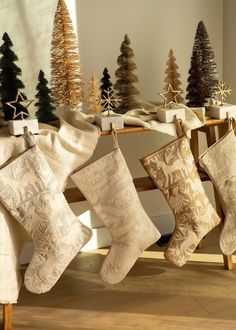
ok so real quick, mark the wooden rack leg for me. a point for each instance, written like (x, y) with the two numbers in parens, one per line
(194, 145)
(211, 139)
(7, 317)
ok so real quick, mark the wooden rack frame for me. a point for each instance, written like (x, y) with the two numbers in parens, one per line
(73, 195)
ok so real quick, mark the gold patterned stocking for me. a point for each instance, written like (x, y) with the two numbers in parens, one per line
(174, 172)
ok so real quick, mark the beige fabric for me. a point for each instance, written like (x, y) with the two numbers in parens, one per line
(141, 117)
(12, 238)
(65, 149)
(173, 170)
(219, 161)
(29, 190)
(108, 186)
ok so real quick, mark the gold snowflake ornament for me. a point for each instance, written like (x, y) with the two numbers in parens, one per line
(19, 99)
(109, 100)
(170, 96)
(221, 92)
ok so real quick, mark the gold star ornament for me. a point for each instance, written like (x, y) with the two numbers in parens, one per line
(221, 92)
(13, 104)
(170, 96)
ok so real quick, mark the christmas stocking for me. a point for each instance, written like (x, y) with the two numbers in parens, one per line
(108, 186)
(219, 161)
(65, 150)
(174, 172)
(29, 190)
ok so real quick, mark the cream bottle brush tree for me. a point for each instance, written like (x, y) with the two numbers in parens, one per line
(172, 76)
(94, 99)
(66, 78)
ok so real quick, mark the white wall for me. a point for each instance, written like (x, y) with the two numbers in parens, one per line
(154, 26)
(229, 46)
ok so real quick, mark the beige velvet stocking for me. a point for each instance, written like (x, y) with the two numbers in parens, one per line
(107, 184)
(219, 161)
(174, 172)
(30, 192)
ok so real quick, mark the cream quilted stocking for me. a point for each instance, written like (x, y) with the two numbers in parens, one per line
(173, 170)
(108, 186)
(65, 150)
(219, 161)
(29, 190)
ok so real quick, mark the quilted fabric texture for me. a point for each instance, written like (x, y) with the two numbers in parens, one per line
(173, 170)
(29, 190)
(65, 150)
(108, 186)
(219, 161)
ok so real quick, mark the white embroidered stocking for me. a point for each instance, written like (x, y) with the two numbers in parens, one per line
(108, 186)
(219, 161)
(29, 190)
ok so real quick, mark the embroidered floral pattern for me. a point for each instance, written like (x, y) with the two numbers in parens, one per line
(29, 190)
(219, 161)
(173, 170)
(107, 184)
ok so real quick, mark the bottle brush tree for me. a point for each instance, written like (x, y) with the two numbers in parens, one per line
(124, 85)
(207, 58)
(172, 76)
(94, 98)
(66, 78)
(195, 90)
(45, 101)
(10, 84)
(107, 92)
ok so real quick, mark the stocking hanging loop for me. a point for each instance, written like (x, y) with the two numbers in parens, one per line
(29, 138)
(114, 136)
(179, 127)
(230, 121)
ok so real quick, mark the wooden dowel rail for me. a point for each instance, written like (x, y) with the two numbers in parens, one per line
(74, 195)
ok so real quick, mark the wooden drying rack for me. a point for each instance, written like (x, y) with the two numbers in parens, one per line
(73, 195)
